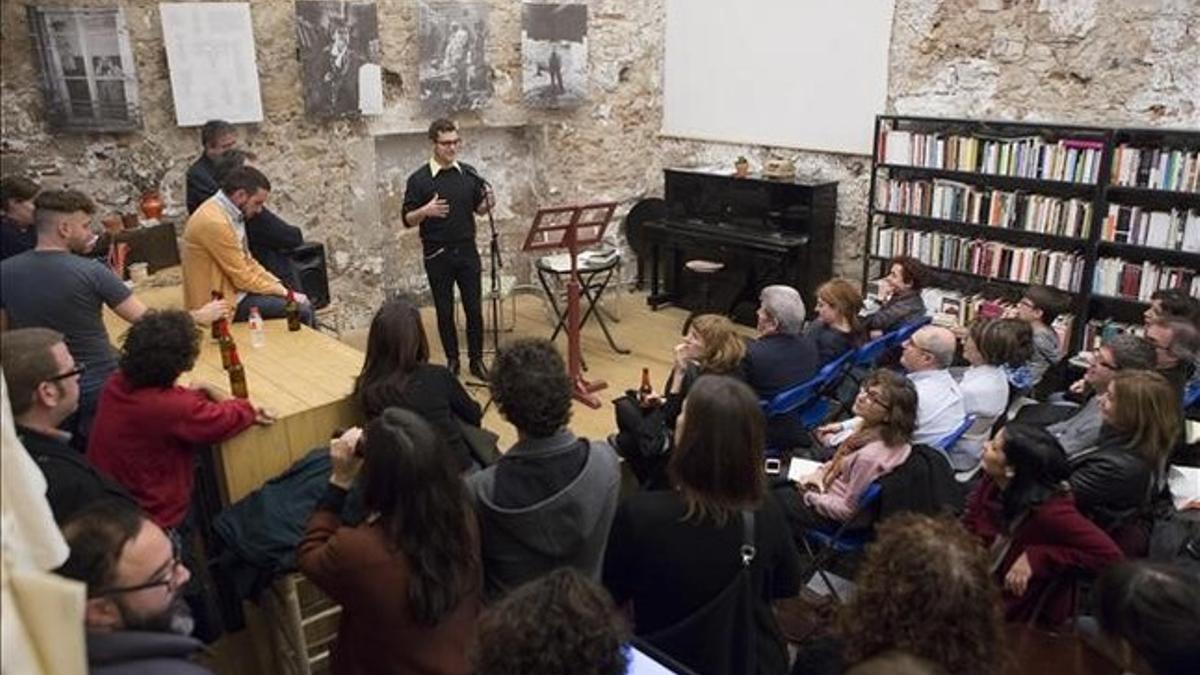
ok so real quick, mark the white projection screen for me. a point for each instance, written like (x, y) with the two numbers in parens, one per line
(808, 74)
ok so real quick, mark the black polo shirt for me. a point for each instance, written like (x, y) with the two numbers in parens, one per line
(463, 191)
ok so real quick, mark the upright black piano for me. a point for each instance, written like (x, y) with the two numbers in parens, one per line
(766, 231)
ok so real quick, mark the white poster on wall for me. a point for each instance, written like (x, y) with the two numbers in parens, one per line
(210, 55)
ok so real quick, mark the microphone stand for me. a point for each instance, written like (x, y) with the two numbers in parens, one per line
(496, 264)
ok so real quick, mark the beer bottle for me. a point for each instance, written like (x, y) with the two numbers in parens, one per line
(237, 375)
(216, 325)
(227, 346)
(292, 309)
(645, 390)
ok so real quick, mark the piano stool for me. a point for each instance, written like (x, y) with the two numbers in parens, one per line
(704, 270)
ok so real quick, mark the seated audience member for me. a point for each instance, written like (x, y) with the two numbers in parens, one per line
(214, 253)
(673, 554)
(549, 501)
(836, 329)
(779, 359)
(926, 357)
(17, 233)
(560, 623)
(1172, 303)
(1024, 497)
(43, 383)
(886, 406)
(52, 287)
(1176, 346)
(397, 372)
(408, 580)
(269, 237)
(1115, 482)
(148, 429)
(923, 591)
(1077, 428)
(1039, 307)
(136, 619)
(712, 346)
(1154, 611)
(901, 297)
(989, 345)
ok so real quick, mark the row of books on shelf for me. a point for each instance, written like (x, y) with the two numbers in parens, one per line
(991, 259)
(1177, 229)
(1071, 160)
(1156, 168)
(951, 200)
(953, 308)
(1120, 278)
(1099, 331)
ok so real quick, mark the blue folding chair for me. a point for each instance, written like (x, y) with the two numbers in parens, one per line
(906, 331)
(946, 442)
(822, 545)
(1191, 395)
(805, 399)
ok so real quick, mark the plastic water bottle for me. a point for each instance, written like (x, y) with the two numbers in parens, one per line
(258, 336)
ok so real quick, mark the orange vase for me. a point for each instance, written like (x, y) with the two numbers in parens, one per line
(151, 205)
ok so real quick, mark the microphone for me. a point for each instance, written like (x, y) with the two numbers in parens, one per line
(470, 171)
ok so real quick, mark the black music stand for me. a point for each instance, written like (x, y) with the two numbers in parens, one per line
(572, 228)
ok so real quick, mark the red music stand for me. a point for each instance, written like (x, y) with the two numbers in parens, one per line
(572, 228)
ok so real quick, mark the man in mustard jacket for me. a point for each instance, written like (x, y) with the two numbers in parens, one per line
(215, 257)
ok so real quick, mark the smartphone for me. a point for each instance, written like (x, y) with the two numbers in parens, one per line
(773, 466)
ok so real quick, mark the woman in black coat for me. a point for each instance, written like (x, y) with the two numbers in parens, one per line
(397, 373)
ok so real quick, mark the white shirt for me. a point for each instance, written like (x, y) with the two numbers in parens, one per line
(939, 405)
(238, 222)
(985, 395)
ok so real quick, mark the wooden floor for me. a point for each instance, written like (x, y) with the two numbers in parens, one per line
(650, 335)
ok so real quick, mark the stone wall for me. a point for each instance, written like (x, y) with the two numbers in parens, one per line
(1132, 62)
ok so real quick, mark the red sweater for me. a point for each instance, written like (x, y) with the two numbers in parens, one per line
(146, 438)
(1057, 540)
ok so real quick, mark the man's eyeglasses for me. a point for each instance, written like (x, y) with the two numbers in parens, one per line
(912, 343)
(450, 143)
(1106, 365)
(164, 576)
(77, 370)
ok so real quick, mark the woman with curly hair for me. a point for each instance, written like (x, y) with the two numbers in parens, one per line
(712, 346)
(675, 554)
(148, 428)
(397, 372)
(409, 577)
(560, 623)
(1024, 512)
(924, 589)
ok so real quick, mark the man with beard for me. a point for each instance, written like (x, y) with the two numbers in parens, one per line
(216, 257)
(135, 617)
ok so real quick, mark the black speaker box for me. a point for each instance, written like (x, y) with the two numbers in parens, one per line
(308, 266)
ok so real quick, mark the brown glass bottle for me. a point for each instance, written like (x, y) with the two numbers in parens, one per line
(237, 376)
(645, 390)
(226, 344)
(216, 325)
(292, 309)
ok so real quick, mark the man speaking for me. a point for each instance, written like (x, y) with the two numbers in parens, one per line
(442, 198)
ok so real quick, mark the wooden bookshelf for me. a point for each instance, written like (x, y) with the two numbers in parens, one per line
(1047, 160)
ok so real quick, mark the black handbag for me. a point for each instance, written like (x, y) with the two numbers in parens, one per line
(735, 633)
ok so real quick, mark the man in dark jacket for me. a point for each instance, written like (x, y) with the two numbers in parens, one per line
(550, 500)
(135, 617)
(268, 236)
(43, 384)
(779, 359)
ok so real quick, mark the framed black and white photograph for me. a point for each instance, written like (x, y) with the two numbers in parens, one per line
(453, 69)
(554, 66)
(339, 58)
(87, 71)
